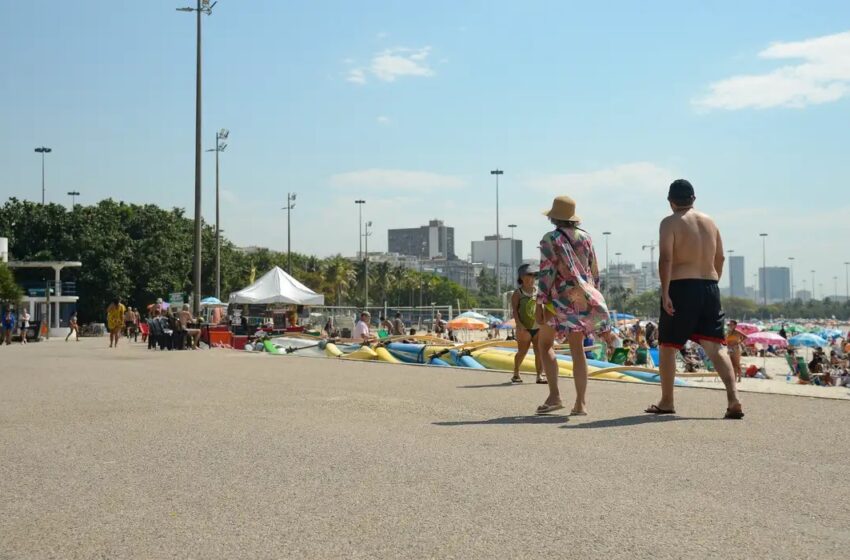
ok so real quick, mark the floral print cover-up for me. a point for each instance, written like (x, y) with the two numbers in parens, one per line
(567, 283)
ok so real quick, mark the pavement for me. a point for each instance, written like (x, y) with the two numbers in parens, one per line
(129, 453)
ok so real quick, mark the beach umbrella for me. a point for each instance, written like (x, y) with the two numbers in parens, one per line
(830, 333)
(622, 316)
(212, 302)
(508, 324)
(807, 339)
(467, 324)
(766, 339)
(748, 328)
(474, 315)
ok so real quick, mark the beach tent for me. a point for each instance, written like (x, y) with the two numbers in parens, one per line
(276, 286)
(212, 302)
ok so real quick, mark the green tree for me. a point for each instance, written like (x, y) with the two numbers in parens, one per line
(486, 283)
(10, 292)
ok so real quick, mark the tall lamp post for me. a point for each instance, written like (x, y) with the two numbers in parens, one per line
(360, 204)
(764, 265)
(290, 204)
(73, 195)
(42, 150)
(203, 7)
(791, 271)
(607, 234)
(497, 173)
(513, 263)
(219, 147)
(731, 275)
(366, 234)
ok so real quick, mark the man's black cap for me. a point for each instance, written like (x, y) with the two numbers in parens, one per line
(680, 189)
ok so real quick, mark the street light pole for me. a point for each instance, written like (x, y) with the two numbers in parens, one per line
(290, 204)
(203, 7)
(513, 264)
(607, 234)
(42, 150)
(360, 204)
(497, 173)
(219, 147)
(73, 195)
(366, 234)
(764, 264)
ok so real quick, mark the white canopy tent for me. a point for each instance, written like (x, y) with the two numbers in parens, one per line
(276, 286)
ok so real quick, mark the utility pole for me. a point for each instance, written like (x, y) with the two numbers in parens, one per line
(73, 195)
(497, 173)
(203, 7)
(42, 150)
(290, 204)
(219, 147)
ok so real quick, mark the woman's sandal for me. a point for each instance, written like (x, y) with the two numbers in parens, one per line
(516, 379)
(542, 381)
(547, 408)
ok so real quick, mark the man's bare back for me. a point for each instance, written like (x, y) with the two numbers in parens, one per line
(697, 249)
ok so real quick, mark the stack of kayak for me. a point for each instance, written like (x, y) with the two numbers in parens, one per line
(487, 355)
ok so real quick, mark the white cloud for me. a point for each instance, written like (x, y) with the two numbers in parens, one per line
(356, 76)
(392, 64)
(822, 75)
(384, 120)
(641, 177)
(395, 179)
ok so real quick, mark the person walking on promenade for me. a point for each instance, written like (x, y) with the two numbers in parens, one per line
(25, 325)
(570, 304)
(523, 303)
(115, 321)
(690, 266)
(734, 339)
(9, 322)
(75, 328)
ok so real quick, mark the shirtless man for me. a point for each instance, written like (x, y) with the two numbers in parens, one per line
(690, 265)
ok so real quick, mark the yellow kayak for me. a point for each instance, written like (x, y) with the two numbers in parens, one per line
(504, 360)
(332, 351)
(362, 353)
(384, 355)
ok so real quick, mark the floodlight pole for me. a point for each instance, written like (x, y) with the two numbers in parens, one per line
(42, 150)
(497, 173)
(219, 147)
(290, 204)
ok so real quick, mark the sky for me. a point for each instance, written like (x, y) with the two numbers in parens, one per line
(409, 106)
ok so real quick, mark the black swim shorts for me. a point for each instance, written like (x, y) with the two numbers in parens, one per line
(698, 315)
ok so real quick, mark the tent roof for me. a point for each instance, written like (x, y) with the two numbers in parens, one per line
(276, 286)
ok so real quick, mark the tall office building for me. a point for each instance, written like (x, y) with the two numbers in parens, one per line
(737, 277)
(435, 240)
(778, 286)
(484, 252)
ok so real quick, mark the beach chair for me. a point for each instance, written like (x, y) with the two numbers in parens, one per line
(601, 353)
(642, 357)
(805, 376)
(791, 364)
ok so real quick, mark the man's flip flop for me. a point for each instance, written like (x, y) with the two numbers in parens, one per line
(547, 408)
(733, 414)
(653, 409)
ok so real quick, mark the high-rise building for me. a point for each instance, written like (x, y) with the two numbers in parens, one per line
(485, 252)
(778, 287)
(435, 240)
(737, 277)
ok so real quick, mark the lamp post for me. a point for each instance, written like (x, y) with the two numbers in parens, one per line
(219, 147)
(73, 195)
(513, 263)
(813, 284)
(607, 234)
(290, 204)
(203, 7)
(791, 271)
(360, 204)
(497, 173)
(366, 234)
(42, 150)
(764, 264)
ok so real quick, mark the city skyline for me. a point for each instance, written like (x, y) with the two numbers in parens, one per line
(412, 115)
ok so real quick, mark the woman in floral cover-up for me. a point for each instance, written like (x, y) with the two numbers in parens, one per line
(570, 306)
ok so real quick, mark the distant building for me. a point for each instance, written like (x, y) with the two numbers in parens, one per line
(510, 256)
(737, 277)
(775, 282)
(436, 240)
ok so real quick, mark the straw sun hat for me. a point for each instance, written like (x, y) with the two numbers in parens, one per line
(564, 209)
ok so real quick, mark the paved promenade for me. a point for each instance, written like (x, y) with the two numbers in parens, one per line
(130, 453)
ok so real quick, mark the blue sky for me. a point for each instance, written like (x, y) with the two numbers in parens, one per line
(410, 107)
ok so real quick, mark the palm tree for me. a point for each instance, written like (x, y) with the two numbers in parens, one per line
(383, 279)
(340, 275)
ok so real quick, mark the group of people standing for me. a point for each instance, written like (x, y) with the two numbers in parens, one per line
(11, 321)
(567, 303)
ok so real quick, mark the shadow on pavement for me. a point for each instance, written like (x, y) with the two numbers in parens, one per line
(506, 384)
(632, 421)
(508, 420)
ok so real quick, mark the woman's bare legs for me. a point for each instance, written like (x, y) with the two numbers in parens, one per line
(576, 340)
(538, 357)
(546, 342)
(523, 340)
